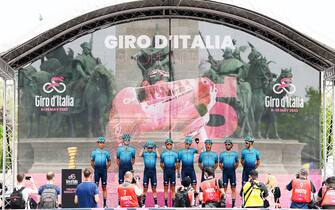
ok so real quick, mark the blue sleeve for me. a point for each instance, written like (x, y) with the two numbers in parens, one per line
(108, 156)
(40, 190)
(176, 156)
(93, 155)
(118, 153)
(221, 158)
(162, 157)
(133, 153)
(216, 158)
(194, 150)
(96, 190)
(58, 190)
(180, 154)
(242, 155)
(257, 155)
(236, 157)
(200, 158)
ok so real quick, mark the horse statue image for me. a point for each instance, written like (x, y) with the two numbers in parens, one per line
(26, 97)
(97, 96)
(259, 77)
(31, 85)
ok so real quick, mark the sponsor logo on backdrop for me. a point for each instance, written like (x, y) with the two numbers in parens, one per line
(55, 102)
(283, 99)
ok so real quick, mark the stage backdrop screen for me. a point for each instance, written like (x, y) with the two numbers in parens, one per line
(166, 78)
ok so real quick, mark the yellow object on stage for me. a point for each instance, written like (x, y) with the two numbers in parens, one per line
(72, 153)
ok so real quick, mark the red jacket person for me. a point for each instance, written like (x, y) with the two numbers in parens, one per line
(211, 190)
(302, 189)
(128, 192)
(326, 194)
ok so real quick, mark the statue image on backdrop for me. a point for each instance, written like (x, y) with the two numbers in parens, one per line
(86, 79)
(259, 77)
(254, 82)
(232, 66)
(30, 81)
(154, 65)
(93, 88)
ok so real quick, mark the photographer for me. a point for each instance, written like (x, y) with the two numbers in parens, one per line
(129, 191)
(185, 196)
(20, 197)
(254, 193)
(302, 190)
(326, 194)
(211, 191)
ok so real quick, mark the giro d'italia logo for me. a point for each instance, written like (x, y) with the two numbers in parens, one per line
(284, 86)
(54, 102)
(55, 84)
(286, 103)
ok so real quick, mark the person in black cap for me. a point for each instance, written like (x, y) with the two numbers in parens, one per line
(254, 193)
(185, 196)
(211, 190)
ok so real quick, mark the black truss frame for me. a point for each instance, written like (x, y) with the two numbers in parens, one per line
(298, 45)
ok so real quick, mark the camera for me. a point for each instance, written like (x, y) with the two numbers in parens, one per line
(27, 178)
(134, 179)
(197, 140)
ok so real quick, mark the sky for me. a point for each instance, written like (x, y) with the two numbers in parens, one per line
(22, 20)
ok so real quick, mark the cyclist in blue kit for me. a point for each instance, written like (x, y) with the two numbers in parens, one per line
(125, 155)
(186, 158)
(100, 162)
(229, 164)
(169, 164)
(250, 158)
(207, 159)
(150, 155)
